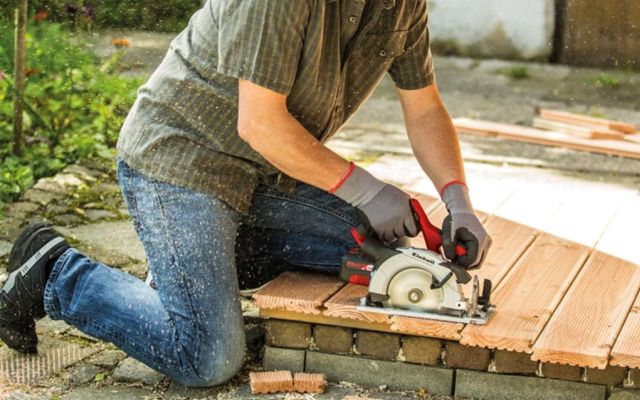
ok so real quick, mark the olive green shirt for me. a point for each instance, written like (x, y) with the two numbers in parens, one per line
(327, 56)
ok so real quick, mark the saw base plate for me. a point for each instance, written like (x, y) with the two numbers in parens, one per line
(430, 315)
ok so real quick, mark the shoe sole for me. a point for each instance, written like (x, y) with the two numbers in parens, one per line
(26, 236)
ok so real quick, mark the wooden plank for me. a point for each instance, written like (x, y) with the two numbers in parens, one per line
(626, 350)
(529, 295)
(633, 137)
(584, 327)
(589, 132)
(298, 291)
(587, 120)
(510, 241)
(538, 136)
(586, 324)
(426, 327)
(344, 304)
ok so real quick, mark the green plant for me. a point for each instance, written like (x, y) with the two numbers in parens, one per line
(518, 72)
(606, 80)
(74, 107)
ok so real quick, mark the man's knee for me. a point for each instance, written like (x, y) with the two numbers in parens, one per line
(216, 364)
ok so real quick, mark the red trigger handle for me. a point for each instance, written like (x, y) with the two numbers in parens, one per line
(432, 235)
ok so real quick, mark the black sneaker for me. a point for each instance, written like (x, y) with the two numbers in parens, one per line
(22, 296)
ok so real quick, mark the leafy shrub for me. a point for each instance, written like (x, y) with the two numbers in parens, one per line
(157, 15)
(74, 107)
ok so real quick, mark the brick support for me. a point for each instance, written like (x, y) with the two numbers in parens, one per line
(564, 372)
(610, 376)
(624, 394)
(295, 335)
(487, 385)
(333, 339)
(372, 373)
(511, 362)
(283, 359)
(422, 350)
(634, 377)
(466, 357)
(383, 346)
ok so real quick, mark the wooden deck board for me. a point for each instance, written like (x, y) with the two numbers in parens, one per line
(586, 324)
(344, 304)
(529, 295)
(297, 291)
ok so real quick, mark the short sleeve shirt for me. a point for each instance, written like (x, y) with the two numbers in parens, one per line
(327, 56)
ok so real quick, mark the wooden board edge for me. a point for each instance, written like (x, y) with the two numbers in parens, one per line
(624, 360)
(476, 339)
(551, 356)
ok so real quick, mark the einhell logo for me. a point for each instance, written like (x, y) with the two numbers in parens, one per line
(423, 258)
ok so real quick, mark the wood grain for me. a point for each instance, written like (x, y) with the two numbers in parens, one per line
(538, 136)
(587, 120)
(426, 327)
(298, 291)
(529, 295)
(626, 350)
(583, 329)
(589, 132)
(344, 304)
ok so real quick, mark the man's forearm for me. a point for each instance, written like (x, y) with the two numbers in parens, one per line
(287, 145)
(434, 141)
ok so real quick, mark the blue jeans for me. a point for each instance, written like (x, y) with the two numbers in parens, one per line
(190, 327)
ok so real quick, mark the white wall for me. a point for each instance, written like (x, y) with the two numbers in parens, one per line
(516, 29)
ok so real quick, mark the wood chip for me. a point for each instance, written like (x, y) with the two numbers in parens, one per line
(271, 382)
(309, 383)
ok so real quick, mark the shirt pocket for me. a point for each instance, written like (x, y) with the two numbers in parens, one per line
(384, 46)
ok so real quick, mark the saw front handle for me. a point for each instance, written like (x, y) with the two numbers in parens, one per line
(432, 235)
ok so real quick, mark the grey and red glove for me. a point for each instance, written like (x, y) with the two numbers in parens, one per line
(385, 207)
(462, 227)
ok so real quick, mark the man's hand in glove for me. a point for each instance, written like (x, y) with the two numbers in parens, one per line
(385, 206)
(462, 227)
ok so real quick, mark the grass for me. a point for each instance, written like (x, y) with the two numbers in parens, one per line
(517, 73)
(606, 80)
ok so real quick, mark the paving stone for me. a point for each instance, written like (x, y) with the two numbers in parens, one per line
(512, 362)
(95, 214)
(491, 386)
(624, 394)
(131, 370)
(67, 180)
(109, 393)
(564, 372)
(20, 209)
(67, 220)
(275, 359)
(81, 172)
(178, 391)
(108, 359)
(383, 346)
(50, 326)
(373, 373)
(83, 373)
(610, 376)
(422, 350)
(5, 248)
(41, 197)
(466, 357)
(296, 335)
(333, 339)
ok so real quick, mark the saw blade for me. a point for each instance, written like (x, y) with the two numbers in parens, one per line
(410, 289)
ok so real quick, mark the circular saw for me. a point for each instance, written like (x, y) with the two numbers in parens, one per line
(415, 282)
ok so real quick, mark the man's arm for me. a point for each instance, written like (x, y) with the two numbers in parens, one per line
(433, 138)
(435, 143)
(267, 126)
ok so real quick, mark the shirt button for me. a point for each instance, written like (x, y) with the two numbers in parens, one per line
(383, 53)
(352, 18)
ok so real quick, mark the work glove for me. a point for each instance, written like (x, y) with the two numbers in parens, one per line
(385, 207)
(462, 227)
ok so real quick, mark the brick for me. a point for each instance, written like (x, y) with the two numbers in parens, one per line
(295, 335)
(283, 359)
(610, 376)
(309, 383)
(512, 362)
(373, 373)
(333, 339)
(564, 372)
(383, 346)
(466, 357)
(624, 394)
(421, 350)
(270, 382)
(487, 385)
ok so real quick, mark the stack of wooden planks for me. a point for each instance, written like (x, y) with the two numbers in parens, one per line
(566, 289)
(559, 128)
